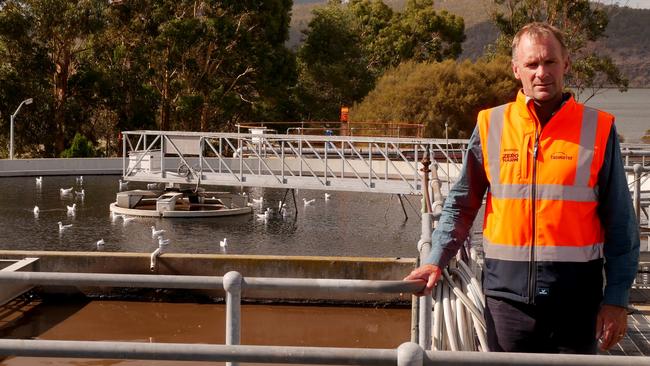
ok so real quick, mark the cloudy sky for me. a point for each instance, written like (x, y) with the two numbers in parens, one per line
(645, 4)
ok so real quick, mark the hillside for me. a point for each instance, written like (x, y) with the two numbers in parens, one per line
(626, 41)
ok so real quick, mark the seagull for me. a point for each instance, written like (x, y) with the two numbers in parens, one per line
(162, 241)
(72, 209)
(308, 202)
(63, 227)
(36, 210)
(123, 185)
(265, 216)
(100, 244)
(65, 191)
(80, 193)
(327, 196)
(223, 243)
(39, 180)
(155, 233)
(126, 220)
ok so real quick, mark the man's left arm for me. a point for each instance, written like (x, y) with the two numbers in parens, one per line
(621, 246)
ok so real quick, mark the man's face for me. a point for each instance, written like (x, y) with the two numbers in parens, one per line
(540, 65)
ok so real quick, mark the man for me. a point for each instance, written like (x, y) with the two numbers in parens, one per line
(558, 212)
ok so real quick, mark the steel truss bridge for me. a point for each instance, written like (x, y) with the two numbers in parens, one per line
(330, 163)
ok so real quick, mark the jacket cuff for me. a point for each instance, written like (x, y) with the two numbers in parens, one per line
(616, 296)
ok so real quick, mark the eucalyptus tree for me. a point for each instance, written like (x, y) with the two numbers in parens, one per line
(44, 41)
(206, 63)
(349, 45)
(582, 22)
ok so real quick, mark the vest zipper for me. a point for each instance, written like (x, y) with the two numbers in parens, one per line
(532, 268)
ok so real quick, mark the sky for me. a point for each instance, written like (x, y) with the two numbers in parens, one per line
(639, 4)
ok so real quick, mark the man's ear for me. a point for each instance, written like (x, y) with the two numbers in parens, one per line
(515, 70)
(567, 64)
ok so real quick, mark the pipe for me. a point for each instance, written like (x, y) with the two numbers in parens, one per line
(154, 255)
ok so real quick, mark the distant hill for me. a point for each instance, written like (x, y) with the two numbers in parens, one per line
(627, 40)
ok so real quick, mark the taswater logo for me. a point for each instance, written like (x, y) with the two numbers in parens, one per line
(561, 156)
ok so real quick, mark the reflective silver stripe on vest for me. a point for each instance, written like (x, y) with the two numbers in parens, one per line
(579, 192)
(543, 253)
(494, 142)
(586, 148)
(544, 192)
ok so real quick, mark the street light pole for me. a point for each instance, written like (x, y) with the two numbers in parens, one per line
(11, 128)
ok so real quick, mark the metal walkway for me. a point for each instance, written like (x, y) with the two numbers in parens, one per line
(333, 163)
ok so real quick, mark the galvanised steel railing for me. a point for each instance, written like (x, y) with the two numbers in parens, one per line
(407, 354)
(335, 163)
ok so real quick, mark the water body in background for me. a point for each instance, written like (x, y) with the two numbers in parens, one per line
(349, 224)
(630, 109)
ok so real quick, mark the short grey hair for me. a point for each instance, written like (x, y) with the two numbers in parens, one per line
(537, 30)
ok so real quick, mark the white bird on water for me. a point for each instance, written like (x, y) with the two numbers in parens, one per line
(39, 180)
(65, 191)
(63, 227)
(36, 211)
(327, 196)
(100, 244)
(265, 216)
(155, 233)
(308, 202)
(81, 193)
(72, 209)
(223, 243)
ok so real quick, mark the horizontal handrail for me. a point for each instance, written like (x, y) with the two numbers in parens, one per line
(206, 282)
(407, 354)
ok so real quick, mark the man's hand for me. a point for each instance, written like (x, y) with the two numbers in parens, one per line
(429, 273)
(610, 325)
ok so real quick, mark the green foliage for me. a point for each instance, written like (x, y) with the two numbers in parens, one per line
(80, 147)
(152, 64)
(348, 46)
(581, 21)
(437, 93)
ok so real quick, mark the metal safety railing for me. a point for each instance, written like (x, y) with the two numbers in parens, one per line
(344, 163)
(407, 354)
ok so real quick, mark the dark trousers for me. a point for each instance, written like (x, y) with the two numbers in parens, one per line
(545, 327)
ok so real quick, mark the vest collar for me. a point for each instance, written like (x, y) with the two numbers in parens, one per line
(523, 101)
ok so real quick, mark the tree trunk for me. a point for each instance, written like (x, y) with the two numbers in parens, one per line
(164, 108)
(61, 76)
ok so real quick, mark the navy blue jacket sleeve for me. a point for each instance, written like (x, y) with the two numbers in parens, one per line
(461, 205)
(621, 246)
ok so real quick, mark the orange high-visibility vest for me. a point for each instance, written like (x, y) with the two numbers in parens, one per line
(542, 201)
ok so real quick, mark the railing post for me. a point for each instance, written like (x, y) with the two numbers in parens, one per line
(232, 283)
(162, 156)
(410, 354)
(638, 169)
(425, 302)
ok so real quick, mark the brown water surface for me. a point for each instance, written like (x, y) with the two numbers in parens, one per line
(125, 321)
